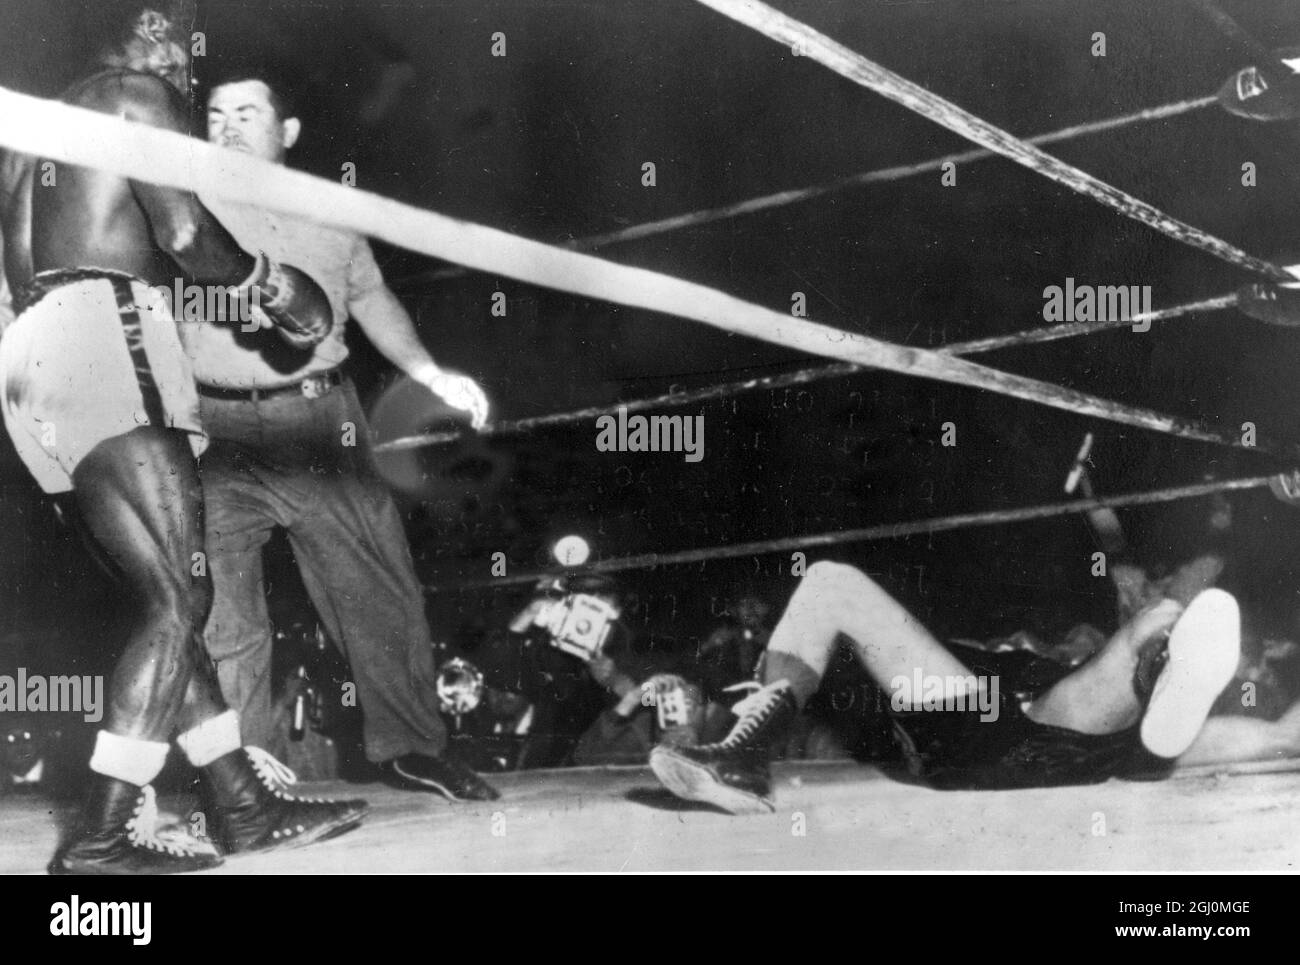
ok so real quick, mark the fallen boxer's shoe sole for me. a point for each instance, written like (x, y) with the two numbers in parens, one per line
(1204, 649)
(693, 781)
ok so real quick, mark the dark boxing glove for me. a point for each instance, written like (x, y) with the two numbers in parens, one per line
(291, 300)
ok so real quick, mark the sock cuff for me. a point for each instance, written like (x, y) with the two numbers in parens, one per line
(213, 738)
(127, 758)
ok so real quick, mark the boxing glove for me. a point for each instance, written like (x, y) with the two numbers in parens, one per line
(297, 306)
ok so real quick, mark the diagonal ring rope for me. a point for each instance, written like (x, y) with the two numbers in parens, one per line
(849, 64)
(798, 377)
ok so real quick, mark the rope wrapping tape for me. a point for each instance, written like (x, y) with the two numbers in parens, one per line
(857, 68)
(883, 531)
(61, 132)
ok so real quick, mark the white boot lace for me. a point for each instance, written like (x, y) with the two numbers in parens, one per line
(753, 709)
(275, 776)
(143, 831)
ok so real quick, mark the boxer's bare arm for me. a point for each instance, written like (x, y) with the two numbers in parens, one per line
(96, 219)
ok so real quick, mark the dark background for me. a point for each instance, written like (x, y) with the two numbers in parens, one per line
(549, 141)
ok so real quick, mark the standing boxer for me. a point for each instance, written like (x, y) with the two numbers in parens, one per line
(99, 399)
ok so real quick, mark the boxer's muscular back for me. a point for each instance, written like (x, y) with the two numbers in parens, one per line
(89, 218)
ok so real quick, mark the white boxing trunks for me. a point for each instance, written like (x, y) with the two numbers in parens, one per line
(93, 354)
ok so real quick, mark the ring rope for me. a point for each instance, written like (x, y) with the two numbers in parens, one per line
(847, 63)
(880, 531)
(1051, 333)
(797, 377)
(703, 394)
(780, 199)
(62, 132)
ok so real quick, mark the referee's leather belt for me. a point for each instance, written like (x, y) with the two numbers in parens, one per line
(312, 387)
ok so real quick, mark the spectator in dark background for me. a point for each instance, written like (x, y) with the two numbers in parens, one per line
(731, 652)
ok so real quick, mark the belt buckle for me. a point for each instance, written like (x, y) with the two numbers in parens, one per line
(315, 387)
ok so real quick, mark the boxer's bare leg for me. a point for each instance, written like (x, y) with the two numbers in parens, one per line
(203, 699)
(1098, 698)
(834, 599)
(1224, 740)
(1203, 651)
(140, 497)
(143, 502)
(140, 500)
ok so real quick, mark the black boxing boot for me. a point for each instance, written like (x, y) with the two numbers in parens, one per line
(735, 773)
(252, 809)
(118, 832)
(245, 787)
(119, 836)
(1151, 661)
